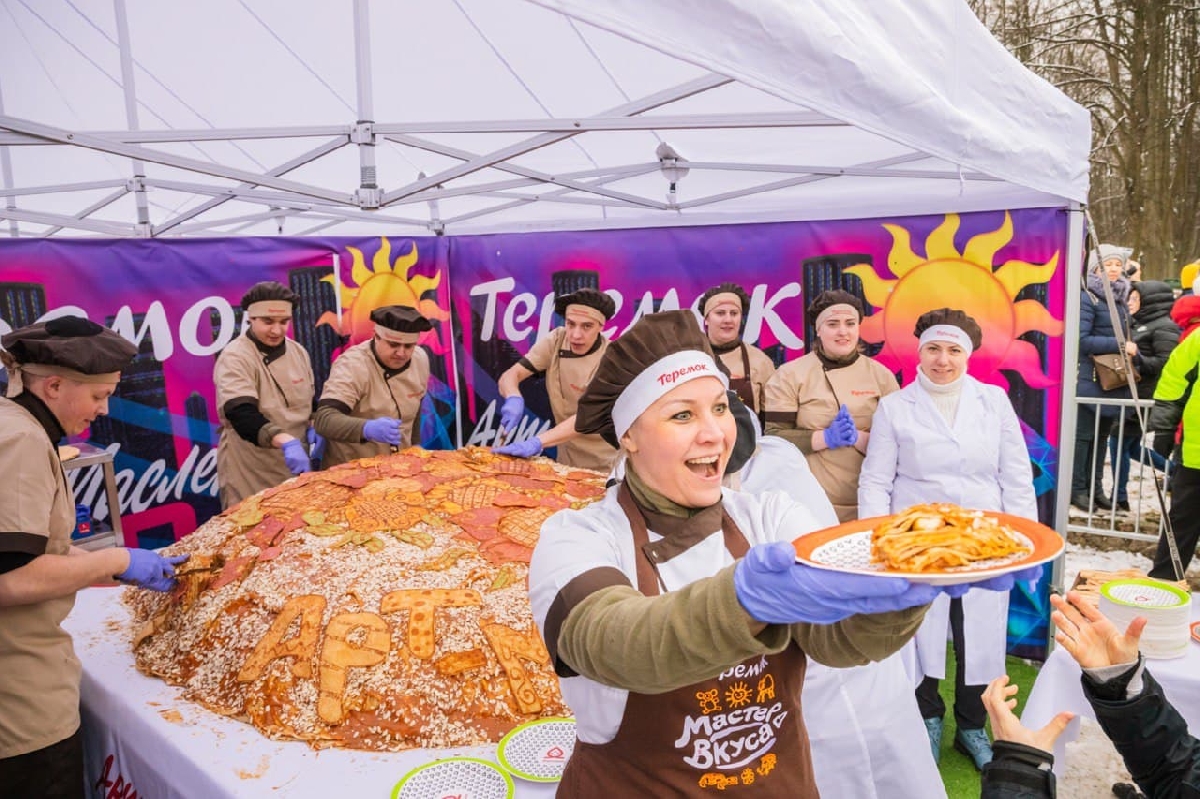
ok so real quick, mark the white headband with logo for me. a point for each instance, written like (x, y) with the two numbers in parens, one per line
(656, 380)
(270, 308)
(948, 333)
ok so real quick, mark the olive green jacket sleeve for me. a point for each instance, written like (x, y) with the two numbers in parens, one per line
(859, 640)
(620, 637)
(333, 424)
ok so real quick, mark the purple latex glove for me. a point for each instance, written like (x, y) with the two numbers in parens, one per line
(151, 570)
(316, 447)
(842, 432)
(529, 448)
(510, 416)
(296, 458)
(775, 589)
(383, 430)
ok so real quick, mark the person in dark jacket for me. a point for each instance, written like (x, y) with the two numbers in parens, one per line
(1155, 335)
(1147, 731)
(1097, 337)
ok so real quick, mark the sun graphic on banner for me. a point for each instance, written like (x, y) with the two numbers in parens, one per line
(384, 283)
(946, 278)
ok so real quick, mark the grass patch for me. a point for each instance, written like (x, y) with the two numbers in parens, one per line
(958, 771)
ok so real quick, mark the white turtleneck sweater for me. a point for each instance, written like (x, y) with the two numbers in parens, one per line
(945, 396)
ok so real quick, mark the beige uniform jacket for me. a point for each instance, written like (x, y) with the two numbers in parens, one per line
(283, 390)
(566, 378)
(803, 397)
(39, 673)
(761, 369)
(357, 391)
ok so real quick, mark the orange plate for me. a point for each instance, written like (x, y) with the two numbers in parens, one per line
(1196, 631)
(847, 548)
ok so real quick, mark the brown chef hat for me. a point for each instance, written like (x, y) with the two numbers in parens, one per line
(69, 346)
(589, 298)
(725, 288)
(661, 351)
(827, 299)
(400, 323)
(268, 296)
(951, 317)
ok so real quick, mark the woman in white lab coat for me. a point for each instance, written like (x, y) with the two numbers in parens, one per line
(946, 437)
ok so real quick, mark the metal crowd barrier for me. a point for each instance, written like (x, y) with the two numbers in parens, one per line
(1143, 521)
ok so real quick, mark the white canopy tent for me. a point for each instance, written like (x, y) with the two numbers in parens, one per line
(254, 117)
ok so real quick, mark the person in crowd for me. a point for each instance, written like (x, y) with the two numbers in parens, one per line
(724, 308)
(61, 373)
(946, 437)
(371, 403)
(1186, 310)
(823, 402)
(1097, 337)
(568, 357)
(672, 608)
(1155, 336)
(1187, 278)
(1147, 731)
(265, 393)
(1177, 402)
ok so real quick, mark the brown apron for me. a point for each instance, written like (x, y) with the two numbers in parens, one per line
(742, 731)
(744, 386)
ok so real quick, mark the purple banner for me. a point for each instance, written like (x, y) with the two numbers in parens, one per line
(491, 298)
(178, 301)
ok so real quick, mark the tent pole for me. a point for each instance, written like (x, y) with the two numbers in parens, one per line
(10, 201)
(363, 133)
(138, 184)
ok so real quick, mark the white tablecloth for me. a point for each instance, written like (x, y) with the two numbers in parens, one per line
(163, 746)
(1057, 688)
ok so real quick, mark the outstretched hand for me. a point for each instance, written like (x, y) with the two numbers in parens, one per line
(775, 589)
(383, 430)
(1000, 699)
(295, 457)
(1090, 637)
(151, 570)
(529, 448)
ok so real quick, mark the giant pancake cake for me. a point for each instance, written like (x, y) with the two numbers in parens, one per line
(377, 605)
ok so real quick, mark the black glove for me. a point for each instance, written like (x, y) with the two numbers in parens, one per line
(1164, 442)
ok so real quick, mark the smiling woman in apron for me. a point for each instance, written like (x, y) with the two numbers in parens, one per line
(264, 398)
(724, 308)
(371, 403)
(946, 437)
(823, 402)
(568, 357)
(675, 611)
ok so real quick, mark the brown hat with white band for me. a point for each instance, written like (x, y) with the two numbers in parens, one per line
(724, 294)
(661, 351)
(269, 298)
(69, 346)
(402, 324)
(591, 302)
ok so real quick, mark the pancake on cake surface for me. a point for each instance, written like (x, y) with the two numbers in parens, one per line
(379, 605)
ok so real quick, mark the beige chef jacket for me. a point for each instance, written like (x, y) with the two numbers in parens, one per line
(39, 673)
(802, 397)
(566, 378)
(359, 389)
(283, 390)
